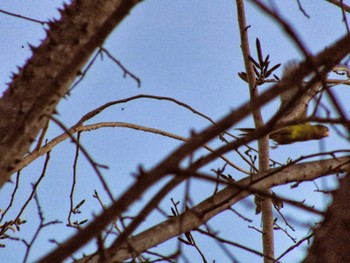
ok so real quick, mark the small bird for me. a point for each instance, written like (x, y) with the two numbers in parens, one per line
(294, 103)
(295, 133)
(294, 112)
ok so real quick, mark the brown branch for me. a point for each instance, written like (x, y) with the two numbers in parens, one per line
(340, 4)
(125, 70)
(94, 165)
(340, 110)
(207, 209)
(286, 27)
(332, 237)
(328, 59)
(38, 87)
(235, 244)
(156, 199)
(80, 128)
(263, 142)
(74, 180)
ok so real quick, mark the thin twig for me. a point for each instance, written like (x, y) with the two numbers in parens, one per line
(23, 17)
(87, 155)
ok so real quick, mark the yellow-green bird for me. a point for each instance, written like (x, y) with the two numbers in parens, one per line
(296, 111)
(296, 133)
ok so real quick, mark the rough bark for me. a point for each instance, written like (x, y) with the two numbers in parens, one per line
(36, 89)
(328, 59)
(332, 238)
(224, 199)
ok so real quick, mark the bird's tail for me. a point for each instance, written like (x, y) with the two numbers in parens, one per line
(245, 131)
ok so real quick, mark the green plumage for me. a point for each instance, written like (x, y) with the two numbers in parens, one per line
(293, 112)
(296, 133)
(299, 133)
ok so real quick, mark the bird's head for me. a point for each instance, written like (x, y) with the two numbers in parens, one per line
(322, 131)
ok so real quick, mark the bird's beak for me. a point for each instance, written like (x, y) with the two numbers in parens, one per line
(326, 134)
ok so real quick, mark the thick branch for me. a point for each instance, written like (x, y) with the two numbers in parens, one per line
(224, 199)
(327, 58)
(263, 143)
(44, 80)
(332, 238)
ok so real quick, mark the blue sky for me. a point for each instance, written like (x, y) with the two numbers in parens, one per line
(187, 50)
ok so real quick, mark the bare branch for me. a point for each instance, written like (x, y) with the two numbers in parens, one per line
(45, 79)
(221, 201)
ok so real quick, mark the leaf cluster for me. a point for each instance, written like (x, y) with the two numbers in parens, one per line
(261, 67)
